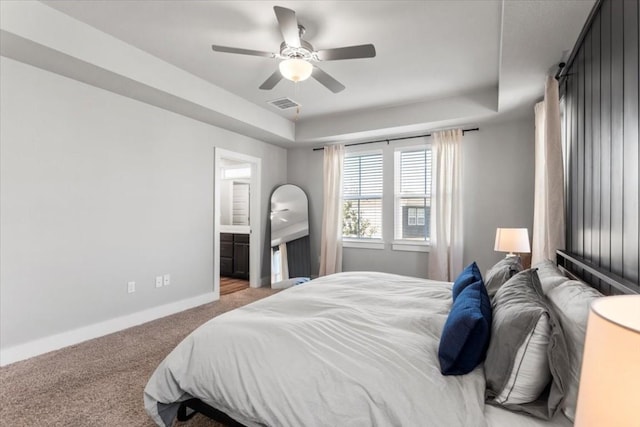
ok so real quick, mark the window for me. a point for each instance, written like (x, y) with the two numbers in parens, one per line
(362, 196)
(412, 194)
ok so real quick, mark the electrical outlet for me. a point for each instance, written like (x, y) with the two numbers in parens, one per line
(167, 279)
(158, 281)
(131, 287)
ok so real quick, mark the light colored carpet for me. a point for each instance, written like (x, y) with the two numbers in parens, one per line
(100, 382)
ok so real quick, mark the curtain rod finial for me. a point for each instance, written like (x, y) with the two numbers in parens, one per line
(560, 67)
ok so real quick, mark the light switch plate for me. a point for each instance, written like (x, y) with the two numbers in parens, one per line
(131, 287)
(158, 281)
(167, 279)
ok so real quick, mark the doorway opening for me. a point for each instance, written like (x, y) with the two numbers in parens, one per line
(237, 227)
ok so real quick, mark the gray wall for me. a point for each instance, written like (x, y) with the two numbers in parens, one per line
(97, 190)
(498, 187)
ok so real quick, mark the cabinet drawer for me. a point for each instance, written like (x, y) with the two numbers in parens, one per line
(226, 266)
(241, 238)
(226, 249)
(241, 260)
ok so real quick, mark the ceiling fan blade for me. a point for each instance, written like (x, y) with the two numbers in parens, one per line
(242, 51)
(326, 80)
(288, 25)
(273, 80)
(349, 52)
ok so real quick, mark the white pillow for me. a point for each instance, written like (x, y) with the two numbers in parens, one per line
(531, 372)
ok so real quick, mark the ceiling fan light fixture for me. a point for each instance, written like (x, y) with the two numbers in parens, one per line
(296, 69)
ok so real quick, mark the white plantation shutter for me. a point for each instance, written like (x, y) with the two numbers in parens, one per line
(240, 203)
(412, 194)
(362, 196)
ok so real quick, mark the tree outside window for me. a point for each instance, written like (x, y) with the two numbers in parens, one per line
(362, 196)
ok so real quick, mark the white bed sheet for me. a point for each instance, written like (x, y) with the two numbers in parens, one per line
(498, 417)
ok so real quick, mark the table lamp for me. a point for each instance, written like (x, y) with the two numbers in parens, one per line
(609, 390)
(512, 240)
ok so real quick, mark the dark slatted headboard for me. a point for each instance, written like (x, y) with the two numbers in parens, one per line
(600, 87)
(606, 282)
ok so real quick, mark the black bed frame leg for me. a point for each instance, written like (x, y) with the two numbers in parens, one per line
(182, 412)
(189, 408)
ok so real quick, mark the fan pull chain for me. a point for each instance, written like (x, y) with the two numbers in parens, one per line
(295, 96)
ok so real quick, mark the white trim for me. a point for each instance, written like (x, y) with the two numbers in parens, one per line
(75, 336)
(361, 150)
(410, 246)
(255, 209)
(363, 244)
(238, 229)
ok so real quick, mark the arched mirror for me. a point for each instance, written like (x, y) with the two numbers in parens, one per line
(290, 252)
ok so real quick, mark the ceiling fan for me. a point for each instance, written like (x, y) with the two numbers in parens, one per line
(298, 54)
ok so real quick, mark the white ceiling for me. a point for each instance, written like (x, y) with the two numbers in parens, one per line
(424, 49)
(438, 62)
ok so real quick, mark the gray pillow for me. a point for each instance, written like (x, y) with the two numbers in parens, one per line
(571, 301)
(501, 272)
(550, 275)
(520, 317)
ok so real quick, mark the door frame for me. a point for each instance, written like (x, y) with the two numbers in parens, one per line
(255, 211)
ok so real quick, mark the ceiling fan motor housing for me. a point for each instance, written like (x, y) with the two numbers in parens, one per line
(305, 51)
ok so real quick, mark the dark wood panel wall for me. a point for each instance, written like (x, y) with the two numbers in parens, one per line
(600, 87)
(299, 257)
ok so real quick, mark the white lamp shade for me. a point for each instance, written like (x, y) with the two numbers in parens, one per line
(295, 69)
(609, 393)
(512, 240)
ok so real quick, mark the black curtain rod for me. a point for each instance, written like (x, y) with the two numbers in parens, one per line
(564, 69)
(560, 68)
(388, 140)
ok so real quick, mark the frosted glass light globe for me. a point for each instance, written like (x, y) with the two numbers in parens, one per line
(295, 69)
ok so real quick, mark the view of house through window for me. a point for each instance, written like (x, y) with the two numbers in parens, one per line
(412, 194)
(362, 196)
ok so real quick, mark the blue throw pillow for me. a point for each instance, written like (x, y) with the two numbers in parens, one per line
(469, 275)
(466, 333)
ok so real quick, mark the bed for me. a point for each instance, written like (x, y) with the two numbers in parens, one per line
(357, 349)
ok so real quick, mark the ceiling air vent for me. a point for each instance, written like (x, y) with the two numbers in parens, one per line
(283, 103)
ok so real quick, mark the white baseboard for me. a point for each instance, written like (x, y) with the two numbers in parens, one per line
(75, 336)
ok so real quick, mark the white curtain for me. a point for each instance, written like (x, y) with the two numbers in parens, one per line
(548, 211)
(331, 239)
(445, 252)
